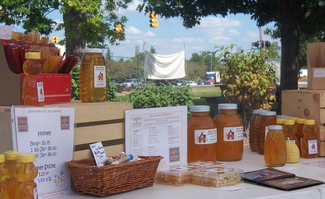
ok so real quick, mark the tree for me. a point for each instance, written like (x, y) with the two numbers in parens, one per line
(85, 22)
(291, 16)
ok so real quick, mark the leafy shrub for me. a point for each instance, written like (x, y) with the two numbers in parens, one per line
(149, 96)
(248, 79)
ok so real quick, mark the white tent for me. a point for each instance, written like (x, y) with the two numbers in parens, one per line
(164, 66)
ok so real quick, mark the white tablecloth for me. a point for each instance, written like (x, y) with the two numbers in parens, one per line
(251, 161)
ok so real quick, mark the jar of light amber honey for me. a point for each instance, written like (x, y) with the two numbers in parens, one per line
(230, 133)
(202, 135)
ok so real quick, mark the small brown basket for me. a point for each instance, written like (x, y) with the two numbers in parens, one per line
(111, 179)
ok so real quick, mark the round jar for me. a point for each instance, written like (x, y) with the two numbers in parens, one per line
(230, 134)
(201, 135)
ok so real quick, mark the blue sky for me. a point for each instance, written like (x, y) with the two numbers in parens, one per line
(171, 37)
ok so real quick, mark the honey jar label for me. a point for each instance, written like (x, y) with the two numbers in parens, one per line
(40, 92)
(206, 136)
(312, 147)
(99, 76)
(233, 133)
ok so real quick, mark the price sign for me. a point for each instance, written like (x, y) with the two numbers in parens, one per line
(49, 134)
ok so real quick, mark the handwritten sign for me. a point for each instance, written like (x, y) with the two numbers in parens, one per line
(49, 134)
(5, 32)
(98, 152)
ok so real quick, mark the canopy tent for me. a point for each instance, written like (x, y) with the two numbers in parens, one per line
(164, 66)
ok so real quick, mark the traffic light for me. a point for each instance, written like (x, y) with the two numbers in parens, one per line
(267, 44)
(256, 44)
(55, 39)
(118, 27)
(153, 20)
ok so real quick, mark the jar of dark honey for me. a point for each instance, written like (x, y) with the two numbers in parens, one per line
(230, 133)
(202, 135)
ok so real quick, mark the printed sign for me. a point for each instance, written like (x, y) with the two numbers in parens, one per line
(5, 32)
(49, 134)
(158, 132)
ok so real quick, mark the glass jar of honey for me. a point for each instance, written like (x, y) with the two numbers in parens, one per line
(252, 129)
(275, 151)
(309, 142)
(202, 135)
(230, 133)
(92, 76)
(267, 118)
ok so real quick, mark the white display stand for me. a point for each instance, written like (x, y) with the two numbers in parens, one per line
(251, 161)
(49, 134)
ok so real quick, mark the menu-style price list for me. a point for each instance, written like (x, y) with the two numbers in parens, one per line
(158, 132)
(49, 134)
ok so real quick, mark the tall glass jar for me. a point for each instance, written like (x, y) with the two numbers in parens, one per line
(92, 77)
(275, 151)
(252, 129)
(202, 135)
(230, 133)
(267, 118)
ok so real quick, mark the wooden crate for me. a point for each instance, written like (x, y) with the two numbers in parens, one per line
(94, 122)
(309, 104)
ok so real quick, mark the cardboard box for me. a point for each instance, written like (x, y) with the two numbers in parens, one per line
(94, 122)
(309, 104)
(57, 87)
(316, 66)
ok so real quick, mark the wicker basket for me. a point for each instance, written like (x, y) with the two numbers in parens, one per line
(111, 179)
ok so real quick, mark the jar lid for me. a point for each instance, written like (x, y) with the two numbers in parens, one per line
(268, 113)
(32, 55)
(309, 122)
(274, 127)
(11, 155)
(283, 116)
(280, 120)
(257, 111)
(200, 108)
(227, 106)
(92, 50)
(2, 158)
(289, 122)
(300, 120)
(25, 157)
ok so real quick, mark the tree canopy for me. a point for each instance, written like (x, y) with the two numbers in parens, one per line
(291, 17)
(88, 22)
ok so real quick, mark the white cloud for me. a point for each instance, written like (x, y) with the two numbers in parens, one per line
(233, 32)
(211, 22)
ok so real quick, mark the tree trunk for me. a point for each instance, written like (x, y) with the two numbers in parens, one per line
(74, 43)
(289, 58)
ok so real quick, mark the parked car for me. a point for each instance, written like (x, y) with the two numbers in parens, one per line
(191, 83)
(131, 82)
(181, 82)
(203, 82)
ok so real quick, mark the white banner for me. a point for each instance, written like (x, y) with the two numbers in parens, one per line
(164, 66)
